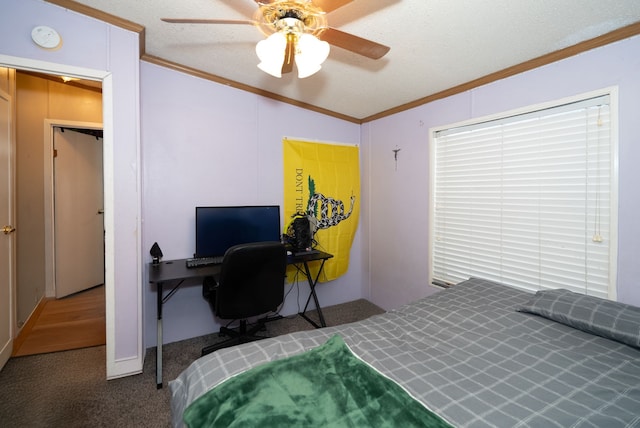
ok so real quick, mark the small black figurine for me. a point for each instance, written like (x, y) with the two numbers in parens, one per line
(156, 253)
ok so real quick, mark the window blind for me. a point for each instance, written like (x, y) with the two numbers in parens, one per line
(526, 200)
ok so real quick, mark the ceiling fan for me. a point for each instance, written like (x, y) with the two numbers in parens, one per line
(297, 31)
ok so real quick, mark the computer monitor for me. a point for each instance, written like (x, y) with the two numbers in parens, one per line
(220, 228)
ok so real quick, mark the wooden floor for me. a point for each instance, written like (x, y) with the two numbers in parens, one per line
(76, 321)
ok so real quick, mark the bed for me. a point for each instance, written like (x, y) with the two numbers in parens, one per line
(477, 354)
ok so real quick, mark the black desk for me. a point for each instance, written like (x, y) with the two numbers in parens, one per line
(301, 263)
(177, 271)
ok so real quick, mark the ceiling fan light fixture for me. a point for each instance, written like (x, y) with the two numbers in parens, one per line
(291, 28)
(310, 54)
(271, 53)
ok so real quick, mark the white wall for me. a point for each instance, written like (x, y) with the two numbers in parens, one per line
(398, 217)
(208, 144)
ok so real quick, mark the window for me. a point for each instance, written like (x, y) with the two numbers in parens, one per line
(528, 199)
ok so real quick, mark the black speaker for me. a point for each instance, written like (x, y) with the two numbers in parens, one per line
(156, 253)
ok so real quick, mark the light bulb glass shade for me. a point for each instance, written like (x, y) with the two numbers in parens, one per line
(271, 52)
(271, 68)
(306, 69)
(310, 54)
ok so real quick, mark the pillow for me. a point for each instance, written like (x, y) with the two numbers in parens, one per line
(605, 318)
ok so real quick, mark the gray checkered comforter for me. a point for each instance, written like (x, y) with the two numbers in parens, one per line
(471, 358)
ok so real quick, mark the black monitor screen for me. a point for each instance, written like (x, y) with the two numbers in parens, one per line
(219, 228)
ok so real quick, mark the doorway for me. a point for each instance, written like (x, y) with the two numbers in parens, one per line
(115, 367)
(46, 95)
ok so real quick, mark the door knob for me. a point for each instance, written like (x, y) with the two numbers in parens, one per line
(8, 229)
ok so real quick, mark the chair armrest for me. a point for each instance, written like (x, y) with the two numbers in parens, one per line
(210, 289)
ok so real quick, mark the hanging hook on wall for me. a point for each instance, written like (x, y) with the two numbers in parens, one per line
(395, 155)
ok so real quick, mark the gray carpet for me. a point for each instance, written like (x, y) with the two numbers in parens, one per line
(68, 389)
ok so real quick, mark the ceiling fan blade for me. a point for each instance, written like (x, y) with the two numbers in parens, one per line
(353, 43)
(207, 21)
(330, 5)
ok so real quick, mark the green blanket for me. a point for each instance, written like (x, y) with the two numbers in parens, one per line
(325, 387)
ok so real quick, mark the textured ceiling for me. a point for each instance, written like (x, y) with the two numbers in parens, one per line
(435, 45)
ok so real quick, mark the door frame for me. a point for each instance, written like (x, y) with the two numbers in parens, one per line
(13, 317)
(49, 187)
(114, 368)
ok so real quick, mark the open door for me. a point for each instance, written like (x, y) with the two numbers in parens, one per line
(7, 265)
(78, 211)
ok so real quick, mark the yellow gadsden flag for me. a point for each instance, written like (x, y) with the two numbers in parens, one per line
(323, 181)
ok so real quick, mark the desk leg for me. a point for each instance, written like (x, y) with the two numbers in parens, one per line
(159, 338)
(312, 285)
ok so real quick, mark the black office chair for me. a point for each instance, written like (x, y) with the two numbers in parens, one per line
(251, 284)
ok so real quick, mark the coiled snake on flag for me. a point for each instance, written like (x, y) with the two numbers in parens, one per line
(337, 210)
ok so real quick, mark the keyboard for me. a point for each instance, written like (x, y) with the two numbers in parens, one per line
(305, 252)
(204, 261)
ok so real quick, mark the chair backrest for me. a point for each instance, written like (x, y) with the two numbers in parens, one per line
(251, 280)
